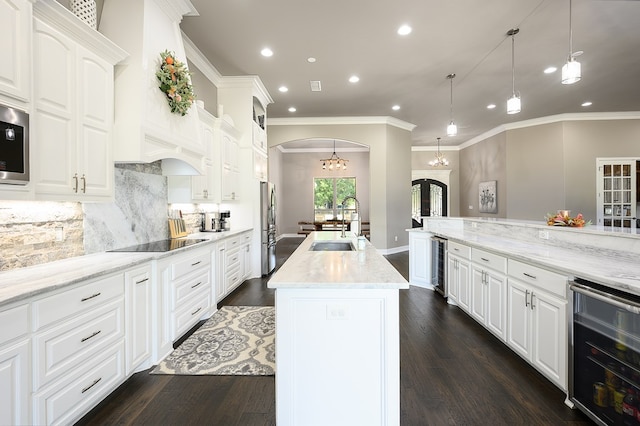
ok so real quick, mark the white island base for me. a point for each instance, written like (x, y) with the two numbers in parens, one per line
(338, 357)
(337, 336)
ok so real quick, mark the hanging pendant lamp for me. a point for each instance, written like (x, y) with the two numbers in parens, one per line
(334, 162)
(439, 160)
(571, 72)
(513, 103)
(452, 129)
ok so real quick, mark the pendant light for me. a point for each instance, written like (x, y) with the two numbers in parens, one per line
(571, 72)
(439, 160)
(513, 103)
(334, 162)
(452, 129)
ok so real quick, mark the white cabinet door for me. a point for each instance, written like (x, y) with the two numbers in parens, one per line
(518, 315)
(549, 336)
(478, 295)
(420, 259)
(15, 389)
(453, 282)
(15, 45)
(464, 284)
(496, 287)
(138, 287)
(220, 271)
(616, 184)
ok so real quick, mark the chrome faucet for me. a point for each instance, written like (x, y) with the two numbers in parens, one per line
(357, 212)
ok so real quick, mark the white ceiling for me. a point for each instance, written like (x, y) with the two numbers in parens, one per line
(465, 37)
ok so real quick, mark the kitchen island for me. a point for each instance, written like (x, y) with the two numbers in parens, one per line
(337, 335)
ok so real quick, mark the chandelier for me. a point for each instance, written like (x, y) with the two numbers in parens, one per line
(439, 160)
(334, 162)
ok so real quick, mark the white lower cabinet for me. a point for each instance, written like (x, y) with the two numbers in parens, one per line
(537, 309)
(459, 275)
(420, 259)
(489, 291)
(138, 302)
(15, 368)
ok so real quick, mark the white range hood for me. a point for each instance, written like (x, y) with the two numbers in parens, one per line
(145, 129)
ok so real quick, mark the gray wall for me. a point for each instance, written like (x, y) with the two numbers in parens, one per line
(298, 171)
(546, 167)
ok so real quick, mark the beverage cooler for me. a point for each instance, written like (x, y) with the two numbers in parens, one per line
(604, 362)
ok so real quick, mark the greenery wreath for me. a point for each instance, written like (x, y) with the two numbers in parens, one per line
(175, 83)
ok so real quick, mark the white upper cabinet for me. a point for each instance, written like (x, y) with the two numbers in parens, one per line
(145, 128)
(73, 107)
(15, 45)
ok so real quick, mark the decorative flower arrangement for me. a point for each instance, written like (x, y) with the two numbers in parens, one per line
(174, 80)
(562, 218)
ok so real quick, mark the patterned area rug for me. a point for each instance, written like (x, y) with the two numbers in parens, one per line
(235, 341)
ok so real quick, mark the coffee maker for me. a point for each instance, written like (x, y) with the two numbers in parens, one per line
(211, 222)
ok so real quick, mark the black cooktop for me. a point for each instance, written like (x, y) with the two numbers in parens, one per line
(162, 245)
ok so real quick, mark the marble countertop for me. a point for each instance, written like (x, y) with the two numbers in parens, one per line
(623, 274)
(361, 269)
(21, 284)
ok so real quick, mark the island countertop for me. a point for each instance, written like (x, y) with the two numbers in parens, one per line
(336, 269)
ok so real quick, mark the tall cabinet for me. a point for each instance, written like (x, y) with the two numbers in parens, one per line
(618, 192)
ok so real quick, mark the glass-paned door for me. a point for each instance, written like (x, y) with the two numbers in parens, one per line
(617, 196)
(328, 195)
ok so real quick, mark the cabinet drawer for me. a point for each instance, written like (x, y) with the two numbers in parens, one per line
(234, 279)
(459, 250)
(77, 300)
(232, 243)
(233, 259)
(64, 347)
(245, 238)
(18, 318)
(70, 398)
(190, 264)
(541, 278)
(187, 287)
(489, 260)
(191, 313)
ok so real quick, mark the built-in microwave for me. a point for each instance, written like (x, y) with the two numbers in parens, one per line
(14, 146)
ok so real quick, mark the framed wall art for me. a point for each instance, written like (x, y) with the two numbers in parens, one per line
(488, 197)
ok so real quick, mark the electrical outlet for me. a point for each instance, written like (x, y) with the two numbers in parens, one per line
(337, 312)
(59, 233)
(474, 225)
(543, 234)
(470, 207)
(396, 238)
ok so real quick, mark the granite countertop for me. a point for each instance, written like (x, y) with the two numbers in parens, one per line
(361, 269)
(614, 272)
(21, 284)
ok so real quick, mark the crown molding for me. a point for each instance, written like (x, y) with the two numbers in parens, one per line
(198, 59)
(332, 121)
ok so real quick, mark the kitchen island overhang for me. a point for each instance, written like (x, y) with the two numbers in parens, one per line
(337, 336)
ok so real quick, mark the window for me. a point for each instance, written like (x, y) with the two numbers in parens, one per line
(328, 194)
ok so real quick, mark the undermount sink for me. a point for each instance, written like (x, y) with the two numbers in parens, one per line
(332, 246)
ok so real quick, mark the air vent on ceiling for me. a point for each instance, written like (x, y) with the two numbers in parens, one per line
(315, 85)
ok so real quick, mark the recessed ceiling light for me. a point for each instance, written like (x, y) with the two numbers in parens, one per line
(491, 106)
(550, 70)
(292, 109)
(283, 89)
(404, 29)
(311, 59)
(266, 52)
(586, 104)
(354, 79)
(395, 107)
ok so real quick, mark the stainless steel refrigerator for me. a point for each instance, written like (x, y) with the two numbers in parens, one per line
(268, 226)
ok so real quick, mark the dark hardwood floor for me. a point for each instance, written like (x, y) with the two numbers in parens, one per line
(453, 372)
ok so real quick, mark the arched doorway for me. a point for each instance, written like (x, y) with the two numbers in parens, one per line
(428, 198)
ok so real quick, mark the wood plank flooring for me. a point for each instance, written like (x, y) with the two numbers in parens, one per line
(453, 372)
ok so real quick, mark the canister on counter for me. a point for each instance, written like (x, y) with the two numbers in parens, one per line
(600, 397)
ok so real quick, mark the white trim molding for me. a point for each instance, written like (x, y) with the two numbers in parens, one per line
(315, 121)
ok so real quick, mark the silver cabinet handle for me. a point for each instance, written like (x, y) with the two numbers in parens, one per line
(84, 299)
(141, 281)
(533, 277)
(196, 285)
(95, 333)
(75, 178)
(482, 258)
(526, 298)
(605, 297)
(95, 382)
(532, 305)
(84, 184)
(196, 311)
(197, 263)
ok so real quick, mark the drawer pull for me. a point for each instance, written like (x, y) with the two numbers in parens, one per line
(197, 263)
(84, 299)
(456, 249)
(95, 382)
(533, 277)
(196, 311)
(141, 281)
(95, 333)
(486, 260)
(196, 285)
